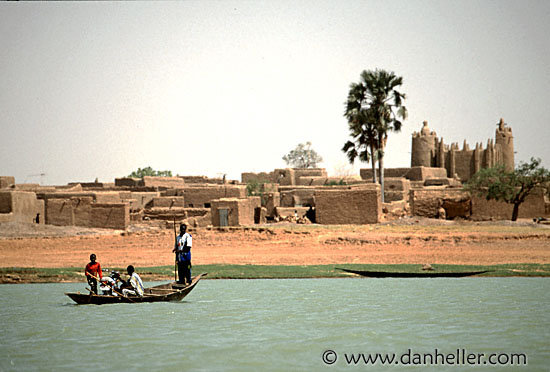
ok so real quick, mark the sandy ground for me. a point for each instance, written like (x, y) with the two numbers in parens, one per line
(412, 241)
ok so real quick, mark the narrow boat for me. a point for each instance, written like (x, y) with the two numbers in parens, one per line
(386, 274)
(169, 292)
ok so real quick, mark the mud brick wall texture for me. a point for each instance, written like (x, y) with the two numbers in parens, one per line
(141, 199)
(464, 164)
(110, 216)
(353, 206)
(417, 173)
(198, 197)
(75, 211)
(168, 182)
(262, 177)
(533, 206)
(168, 202)
(240, 211)
(108, 197)
(59, 212)
(6, 181)
(20, 206)
(426, 202)
(291, 196)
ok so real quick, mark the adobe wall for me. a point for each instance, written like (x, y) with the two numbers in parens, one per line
(34, 187)
(357, 206)
(292, 196)
(20, 206)
(427, 201)
(110, 216)
(429, 151)
(138, 200)
(73, 211)
(241, 211)
(168, 202)
(82, 210)
(107, 197)
(6, 181)
(128, 182)
(289, 176)
(246, 209)
(203, 180)
(262, 177)
(312, 181)
(201, 196)
(366, 173)
(396, 189)
(272, 201)
(423, 147)
(464, 164)
(288, 211)
(59, 212)
(416, 173)
(533, 206)
(426, 173)
(167, 182)
(310, 172)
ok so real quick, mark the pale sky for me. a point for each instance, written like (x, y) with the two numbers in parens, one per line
(95, 90)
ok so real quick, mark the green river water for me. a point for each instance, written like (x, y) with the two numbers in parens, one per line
(286, 325)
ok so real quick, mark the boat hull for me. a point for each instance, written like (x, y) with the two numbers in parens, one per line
(385, 274)
(170, 292)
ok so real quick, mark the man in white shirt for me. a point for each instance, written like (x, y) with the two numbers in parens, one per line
(135, 282)
(182, 248)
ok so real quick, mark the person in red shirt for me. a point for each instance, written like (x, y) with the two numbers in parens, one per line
(93, 272)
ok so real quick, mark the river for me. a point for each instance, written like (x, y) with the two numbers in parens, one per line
(286, 325)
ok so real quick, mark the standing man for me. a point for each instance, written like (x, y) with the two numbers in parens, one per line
(184, 241)
(93, 272)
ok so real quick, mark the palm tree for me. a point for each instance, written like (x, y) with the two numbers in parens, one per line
(361, 127)
(376, 104)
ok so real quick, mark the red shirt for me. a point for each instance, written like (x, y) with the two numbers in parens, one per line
(94, 269)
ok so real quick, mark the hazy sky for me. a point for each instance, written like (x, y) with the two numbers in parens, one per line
(211, 87)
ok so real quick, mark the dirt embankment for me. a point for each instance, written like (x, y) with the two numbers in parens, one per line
(418, 241)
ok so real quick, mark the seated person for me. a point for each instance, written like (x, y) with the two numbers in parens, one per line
(135, 284)
(108, 285)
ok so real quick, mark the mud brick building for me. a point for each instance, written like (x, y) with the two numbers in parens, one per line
(201, 195)
(20, 206)
(236, 211)
(348, 205)
(431, 187)
(429, 151)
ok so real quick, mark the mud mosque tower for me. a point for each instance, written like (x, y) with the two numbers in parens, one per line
(429, 151)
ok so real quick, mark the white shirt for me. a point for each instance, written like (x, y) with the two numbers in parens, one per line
(137, 284)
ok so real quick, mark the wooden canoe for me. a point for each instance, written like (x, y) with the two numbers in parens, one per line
(386, 274)
(169, 292)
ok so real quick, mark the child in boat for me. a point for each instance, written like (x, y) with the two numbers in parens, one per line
(108, 284)
(93, 272)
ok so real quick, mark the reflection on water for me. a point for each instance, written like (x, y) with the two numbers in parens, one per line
(277, 325)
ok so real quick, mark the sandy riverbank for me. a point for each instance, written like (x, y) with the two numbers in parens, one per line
(407, 241)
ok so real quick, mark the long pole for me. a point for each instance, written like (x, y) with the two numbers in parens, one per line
(176, 258)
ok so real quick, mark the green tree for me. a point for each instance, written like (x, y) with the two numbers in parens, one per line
(511, 187)
(361, 127)
(148, 171)
(303, 156)
(374, 108)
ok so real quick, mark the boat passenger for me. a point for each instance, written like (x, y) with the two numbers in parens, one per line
(135, 282)
(93, 272)
(108, 284)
